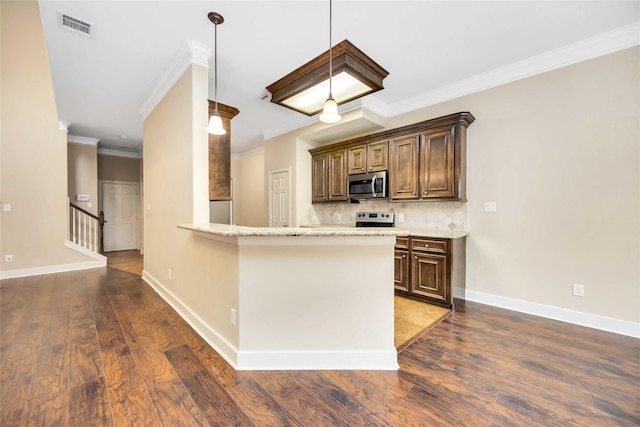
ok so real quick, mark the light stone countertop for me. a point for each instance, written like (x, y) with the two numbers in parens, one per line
(416, 232)
(318, 230)
(239, 230)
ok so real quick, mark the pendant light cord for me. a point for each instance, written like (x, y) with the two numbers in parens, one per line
(330, 49)
(215, 66)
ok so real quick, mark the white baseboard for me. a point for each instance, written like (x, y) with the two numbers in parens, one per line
(98, 261)
(602, 323)
(227, 350)
(318, 360)
(49, 269)
(85, 251)
(275, 360)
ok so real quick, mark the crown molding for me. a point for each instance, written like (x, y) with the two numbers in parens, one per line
(600, 45)
(191, 52)
(75, 139)
(249, 153)
(291, 125)
(119, 153)
(63, 125)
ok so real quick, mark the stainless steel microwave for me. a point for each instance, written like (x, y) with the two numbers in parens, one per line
(367, 185)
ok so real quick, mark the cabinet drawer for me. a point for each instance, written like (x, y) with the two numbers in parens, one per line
(429, 245)
(402, 243)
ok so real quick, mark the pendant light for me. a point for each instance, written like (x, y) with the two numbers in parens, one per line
(330, 110)
(215, 121)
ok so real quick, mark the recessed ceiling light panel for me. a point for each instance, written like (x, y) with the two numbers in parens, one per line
(354, 75)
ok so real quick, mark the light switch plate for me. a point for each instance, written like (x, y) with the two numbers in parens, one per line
(6, 207)
(490, 206)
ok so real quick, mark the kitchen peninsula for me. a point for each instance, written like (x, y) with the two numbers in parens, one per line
(294, 298)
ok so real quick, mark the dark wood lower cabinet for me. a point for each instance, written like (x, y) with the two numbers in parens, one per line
(401, 264)
(428, 268)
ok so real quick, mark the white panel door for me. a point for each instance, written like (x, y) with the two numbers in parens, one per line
(120, 203)
(279, 199)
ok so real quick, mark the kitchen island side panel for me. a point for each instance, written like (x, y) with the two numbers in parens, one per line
(316, 303)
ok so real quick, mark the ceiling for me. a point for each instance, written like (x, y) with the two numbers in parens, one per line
(102, 82)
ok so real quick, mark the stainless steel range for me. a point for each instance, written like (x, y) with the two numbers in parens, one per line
(374, 219)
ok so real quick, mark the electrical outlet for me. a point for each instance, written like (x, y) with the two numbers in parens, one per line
(490, 206)
(8, 258)
(233, 317)
(339, 216)
(6, 207)
(169, 272)
(578, 290)
(400, 217)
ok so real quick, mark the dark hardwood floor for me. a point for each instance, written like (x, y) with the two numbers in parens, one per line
(99, 347)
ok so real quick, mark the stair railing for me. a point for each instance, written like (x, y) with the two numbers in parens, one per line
(86, 229)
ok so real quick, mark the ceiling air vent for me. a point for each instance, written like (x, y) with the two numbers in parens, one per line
(74, 25)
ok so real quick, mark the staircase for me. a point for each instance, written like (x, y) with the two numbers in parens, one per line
(85, 229)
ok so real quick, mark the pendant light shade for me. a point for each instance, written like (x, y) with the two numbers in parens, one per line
(215, 121)
(330, 110)
(215, 125)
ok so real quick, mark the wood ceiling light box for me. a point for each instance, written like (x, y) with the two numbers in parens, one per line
(305, 89)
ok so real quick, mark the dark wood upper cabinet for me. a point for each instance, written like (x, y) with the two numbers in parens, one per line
(357, 159)
(319, 178)
(220, 155)
(329, 176)
(373, 157)
(337, 176)
(403, 173)
(426, 160)
(437, 164)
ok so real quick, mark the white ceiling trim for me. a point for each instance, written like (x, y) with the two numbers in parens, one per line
(602, 44)
(302, 121)
(247, 154)
(75, 139)
(118, 153)
(191, 52)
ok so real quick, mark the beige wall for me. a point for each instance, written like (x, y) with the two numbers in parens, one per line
(176, 192)
(34, 150)
(281, 153)
(82, 161)
(248, 191)
(559, 154)
(115, 168)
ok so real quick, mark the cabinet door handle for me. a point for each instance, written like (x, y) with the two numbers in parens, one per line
(362, 168)
(426, 246)
(424, 193)
(404, 256)
(415, 257)
(370, 168)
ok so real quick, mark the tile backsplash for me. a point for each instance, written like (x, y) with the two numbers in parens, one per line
(444, 216)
